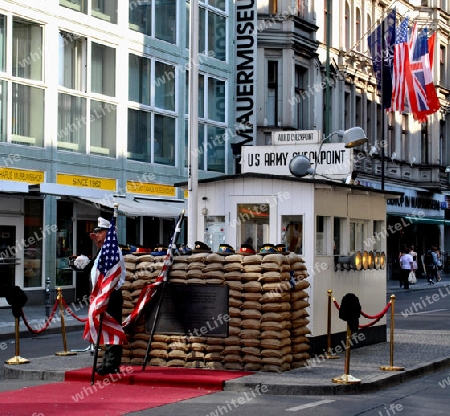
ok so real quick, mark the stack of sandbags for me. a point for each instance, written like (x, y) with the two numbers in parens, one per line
(177, 350)
(196, 264)
(159, 350)
(213, 269)
(178, 270)
(213, 356)
(196, 352)
(299, 315)
(232, 272)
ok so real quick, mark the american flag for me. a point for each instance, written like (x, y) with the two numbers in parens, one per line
(108, 275)
(401, 57)
(421, 91)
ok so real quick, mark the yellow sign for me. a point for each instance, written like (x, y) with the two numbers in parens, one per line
(186, 194)
(107, 184)
(20, 175)
(147, 188)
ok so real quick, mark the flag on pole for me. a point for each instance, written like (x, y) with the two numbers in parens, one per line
(149, 291)
(401, 57)
(423, 99)
(381, 45)
(108, 274)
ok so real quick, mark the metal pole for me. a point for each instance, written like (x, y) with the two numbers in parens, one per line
(63, 326)
(346, 378)
(47, 297)
(383, 138)
(327, 71)
(329, 355)
(391, 366)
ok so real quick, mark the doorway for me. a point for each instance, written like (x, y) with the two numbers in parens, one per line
(11, 255)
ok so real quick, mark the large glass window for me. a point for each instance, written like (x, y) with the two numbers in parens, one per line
(338, 236)
(216, 99)
(71, 123)
(217, 35)
(164, 146)
(164, 86)
(140, 16)
(201, 95)
(139, 135)
(27, 115)
(322, 235)
(379, 235)
(3, 110)
(103, 70)
(216, 149)
(214, 232)
(64, 243)
(77, 5)
(198, 152)
(139, 79)
(357, 233)
(2, 43)
(26, 50)
(34, 234)
(105, 10)
(165, 20)
(72, 61)
(103, 129)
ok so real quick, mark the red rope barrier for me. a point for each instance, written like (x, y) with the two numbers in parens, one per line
(69, 310)
(47, 322)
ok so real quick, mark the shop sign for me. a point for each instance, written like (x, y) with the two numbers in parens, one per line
(146, 188)
(106, 184)
(334, 159)
(295, 137)
(430, 204)
(21, 175)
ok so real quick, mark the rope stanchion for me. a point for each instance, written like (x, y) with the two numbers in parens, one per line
(63, 326)
(329, 355)
(346, 378)
(375, 317)
(391, 366)
(17, 359)
(47, 322)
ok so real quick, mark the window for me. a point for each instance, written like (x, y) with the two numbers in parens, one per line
(72, 61)
(27, 115)
(103, 129)
(272, 93)
(358, 29)
(357, 233)
(254, 224)
(216, 149)
(27, 50)
(2, 43)
(201, 95)
(424, 142)
(217, 35)
(103, 69)
(165, 20)
(71, 129)
(34, 210)
(199, 152)
(64, 243)
(379, 235)
(3, 110)
(292, 233)
(300, 101)
(347, 28)
(139, 79)
(139, 135)
(302, 8)
(140, 16)
(105, 10)
(322, 235)
(77, 5)
(405, 141)
(164, 86)
(164, 143)
(442, 65)
(214, 232)
(267, 6)
(216, 99)
(338, 236)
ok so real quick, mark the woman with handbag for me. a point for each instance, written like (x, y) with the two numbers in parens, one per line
(406, 265)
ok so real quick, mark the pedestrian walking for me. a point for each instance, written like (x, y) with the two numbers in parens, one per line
(430, 261)
(406, 267)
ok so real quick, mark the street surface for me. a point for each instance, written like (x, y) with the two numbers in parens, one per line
(429, 395)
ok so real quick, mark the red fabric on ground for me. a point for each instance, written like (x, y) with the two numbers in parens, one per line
(116, 394)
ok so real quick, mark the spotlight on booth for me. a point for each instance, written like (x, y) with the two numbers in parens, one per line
(365, 260)
(371, 260)
(377, 259)
(382, 260)
(353, 261)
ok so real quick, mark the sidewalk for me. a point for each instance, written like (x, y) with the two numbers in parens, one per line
(417, 351)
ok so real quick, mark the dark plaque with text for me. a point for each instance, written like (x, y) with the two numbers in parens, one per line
(193, 310)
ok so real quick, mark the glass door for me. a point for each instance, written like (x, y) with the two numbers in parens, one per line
(11, 255)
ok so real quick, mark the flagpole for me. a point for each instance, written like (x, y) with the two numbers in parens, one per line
(100, 325)
(383, 134)
(164, 272)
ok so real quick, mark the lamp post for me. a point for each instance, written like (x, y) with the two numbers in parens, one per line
(353, 137)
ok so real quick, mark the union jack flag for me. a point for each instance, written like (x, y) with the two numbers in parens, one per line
(401, 57)
(422, 94)
(108, 273)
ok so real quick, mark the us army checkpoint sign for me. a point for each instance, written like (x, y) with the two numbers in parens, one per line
(334, 159)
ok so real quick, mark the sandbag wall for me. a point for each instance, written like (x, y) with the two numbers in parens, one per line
(268, 320)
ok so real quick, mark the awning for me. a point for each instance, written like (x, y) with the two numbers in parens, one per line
(140, 207)
(422, 220)
(13, 186)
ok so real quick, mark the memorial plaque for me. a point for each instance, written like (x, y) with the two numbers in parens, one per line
(193, 310)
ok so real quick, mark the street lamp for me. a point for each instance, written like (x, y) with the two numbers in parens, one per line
(353, 137)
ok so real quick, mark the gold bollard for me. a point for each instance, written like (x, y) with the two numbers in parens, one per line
(329, 356)
(17, 359)
(346, 378)
(391, 366)
(63, 326)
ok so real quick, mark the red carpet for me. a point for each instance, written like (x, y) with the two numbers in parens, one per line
(131, 390)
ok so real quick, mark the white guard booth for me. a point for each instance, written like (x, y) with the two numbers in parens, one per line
(327, 222)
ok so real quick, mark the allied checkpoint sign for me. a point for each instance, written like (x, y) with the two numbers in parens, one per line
(334, 159)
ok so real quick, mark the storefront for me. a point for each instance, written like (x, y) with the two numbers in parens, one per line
(42, 224)
(322, 220)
